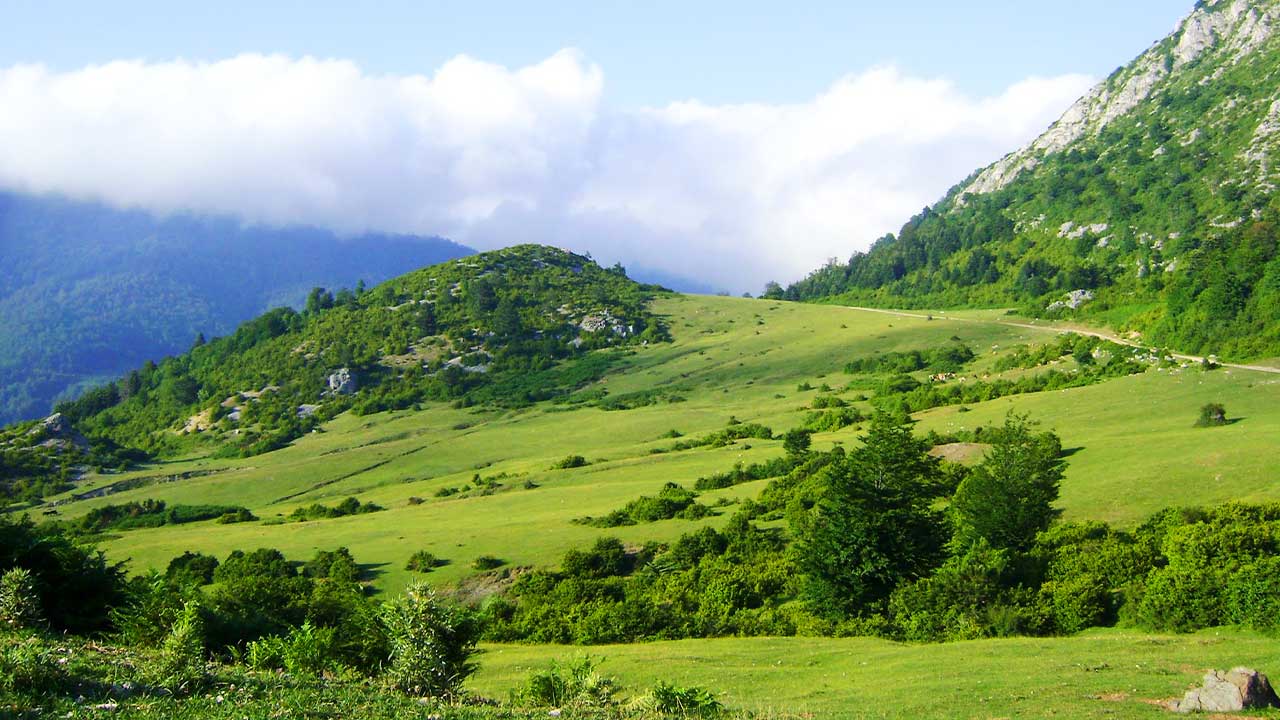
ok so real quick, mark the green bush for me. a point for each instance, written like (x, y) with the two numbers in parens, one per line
(570, 462)
(487, 562)
(180, 665)
(423, 561)
(666, 699)
(575, 684)
(1212, 415)
(19, 604)
(307, 650)
(1253, 595)
(431, 644)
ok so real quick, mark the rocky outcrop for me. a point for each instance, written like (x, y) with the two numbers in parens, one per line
(342, 382)
(58, 432)
(1228, 691)
(1231, 29)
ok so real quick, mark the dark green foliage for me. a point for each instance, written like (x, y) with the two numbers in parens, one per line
(951, 357)
(192, 567)
(797, 442)
(1212, 415)
(423, 561)
(348, 506)
(728, 436)
(153, 513)
(75, 584)
(1008, 499)
(871, 526)
(743, 474)
(487, 562)
(673, 501)
(570, 462)
(607, 558)
(709, 583)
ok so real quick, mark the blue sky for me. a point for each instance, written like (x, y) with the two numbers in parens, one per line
(733, 142)
(654, 51)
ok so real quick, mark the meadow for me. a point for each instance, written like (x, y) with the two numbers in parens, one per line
(1131, 445)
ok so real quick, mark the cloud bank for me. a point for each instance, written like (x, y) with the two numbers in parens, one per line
(489, 156)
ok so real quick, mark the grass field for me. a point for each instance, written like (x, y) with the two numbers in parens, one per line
(1132, 444)
(1099, 674)
(1132, 450)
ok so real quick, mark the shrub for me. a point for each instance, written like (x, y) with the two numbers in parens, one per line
(154, 604)
(487, 562)
(570, 462)
(431, 643)
(19, 604)
(180, 665)
(1212, 415)
(575, 684)
(306, 650)
(192, 567)
(238, 515)
(1253, 595)
(423, 561)
(668, 699)
(607, 558)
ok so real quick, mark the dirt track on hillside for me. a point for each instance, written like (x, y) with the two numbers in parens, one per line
(1056, 329)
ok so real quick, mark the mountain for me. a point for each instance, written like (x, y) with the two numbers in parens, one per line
(1150, 205)
(89, 292)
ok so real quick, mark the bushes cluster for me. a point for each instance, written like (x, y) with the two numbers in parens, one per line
(951, 357)
(349, 506)
(154, 513)
(672, 501)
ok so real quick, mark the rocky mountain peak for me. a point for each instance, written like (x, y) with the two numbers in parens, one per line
(1218, 33)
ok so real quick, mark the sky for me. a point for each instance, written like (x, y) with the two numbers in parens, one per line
(733, 142)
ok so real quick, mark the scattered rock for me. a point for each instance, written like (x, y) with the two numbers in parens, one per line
(342, 382)
(1240, 688)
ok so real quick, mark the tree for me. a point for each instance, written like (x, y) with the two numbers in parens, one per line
(797, 441)
(1008, 499)
(873, 526)
(1211, 415)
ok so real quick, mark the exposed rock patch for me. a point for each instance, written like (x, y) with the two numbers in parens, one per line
(1240, 688)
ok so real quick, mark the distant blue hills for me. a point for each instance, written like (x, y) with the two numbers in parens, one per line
(88, 292)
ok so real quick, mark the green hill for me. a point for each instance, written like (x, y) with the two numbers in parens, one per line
(1148, 206)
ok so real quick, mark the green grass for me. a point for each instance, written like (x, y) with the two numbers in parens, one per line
(1134, 449)
(1100, 674)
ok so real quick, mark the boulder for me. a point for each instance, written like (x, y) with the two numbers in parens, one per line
(342, 382)
(1227, 691)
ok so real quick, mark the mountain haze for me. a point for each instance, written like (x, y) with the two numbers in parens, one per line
(1150, 205)
(89, 292)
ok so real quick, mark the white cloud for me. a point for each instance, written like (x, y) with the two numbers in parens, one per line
(731, 194)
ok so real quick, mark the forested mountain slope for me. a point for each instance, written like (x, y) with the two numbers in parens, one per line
(88, 292)
(1150, 205)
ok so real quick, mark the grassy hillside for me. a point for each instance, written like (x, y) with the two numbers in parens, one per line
(1100, 674)
(1132, 448)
